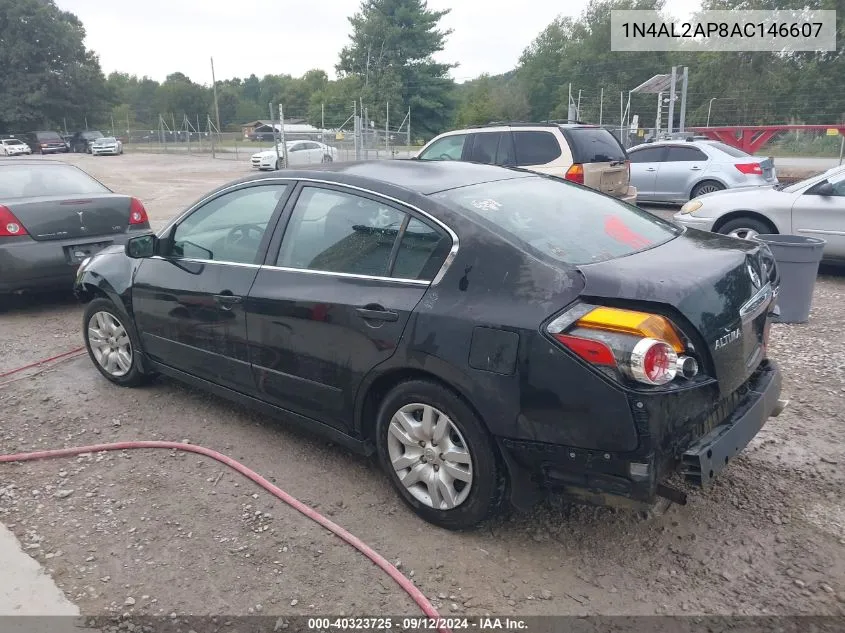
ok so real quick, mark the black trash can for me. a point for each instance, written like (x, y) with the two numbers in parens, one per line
(797, 259)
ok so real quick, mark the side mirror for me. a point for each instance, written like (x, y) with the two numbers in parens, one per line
(142, 246)
(824, 189)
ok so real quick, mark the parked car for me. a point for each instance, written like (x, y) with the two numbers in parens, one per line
(54, 215)
(44, 142)
(14, 147)
(263, 137)
(106, 146)
(483, 330)
(584, 154)
(676, 171)
(81, 141)
(814, 207)
(299, 154)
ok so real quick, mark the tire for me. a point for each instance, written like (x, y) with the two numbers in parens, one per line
(706, 186)
(102, 315)
(465, 434)
(745, 228)
(327, 158)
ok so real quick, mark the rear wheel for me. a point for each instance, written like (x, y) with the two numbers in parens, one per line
(438, 455)
(745, 228)
(327, 158)
(708, 186)
(111, 344)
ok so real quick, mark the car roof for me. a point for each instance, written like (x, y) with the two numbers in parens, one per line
(421, 177)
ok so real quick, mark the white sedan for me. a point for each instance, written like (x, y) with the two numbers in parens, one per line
(106, 145)
(14, 147)
(299, 153)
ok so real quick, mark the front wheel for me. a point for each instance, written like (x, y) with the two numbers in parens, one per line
(745, 228)
(438, 455)
(111, 344)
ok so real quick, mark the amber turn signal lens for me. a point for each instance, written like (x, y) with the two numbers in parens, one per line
(640, 324)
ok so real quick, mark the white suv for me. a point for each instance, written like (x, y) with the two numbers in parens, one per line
(587, 154)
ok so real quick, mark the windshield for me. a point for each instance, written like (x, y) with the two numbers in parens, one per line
(571, 224)
(48, 136)
(797, 186)
(92, 135)
(25, 181)
(12, 141)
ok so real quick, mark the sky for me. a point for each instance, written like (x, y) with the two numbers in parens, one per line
(159, 37)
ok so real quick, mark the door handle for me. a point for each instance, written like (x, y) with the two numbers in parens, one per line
(695, 168)
(651, 169)
(377, 313)
(227, 300)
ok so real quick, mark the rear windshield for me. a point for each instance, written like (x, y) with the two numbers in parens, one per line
(593, 145)
(570, 224)
(48, 136)
(26, 181)
(727, 149)
(90, 135)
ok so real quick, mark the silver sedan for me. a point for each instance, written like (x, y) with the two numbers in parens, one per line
(814, 207)
(677, 171)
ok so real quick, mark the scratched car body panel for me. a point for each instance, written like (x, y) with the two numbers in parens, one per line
(592, 363)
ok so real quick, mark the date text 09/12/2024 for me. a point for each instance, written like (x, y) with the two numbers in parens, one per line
(692, 30)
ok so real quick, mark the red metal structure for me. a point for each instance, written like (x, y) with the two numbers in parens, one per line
(750, 138)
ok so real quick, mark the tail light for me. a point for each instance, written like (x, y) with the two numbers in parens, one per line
(750, 168)
(639, 346)
(575, 173)
(10, 226)
(137, 212)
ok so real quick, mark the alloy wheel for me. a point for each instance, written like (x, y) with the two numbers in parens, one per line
(110, 344)
(744, 233)
(430, 456)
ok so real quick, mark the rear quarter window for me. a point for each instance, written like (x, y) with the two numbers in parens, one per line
(559, 220)
(593, 145)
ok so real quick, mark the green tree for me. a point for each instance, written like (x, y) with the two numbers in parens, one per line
(391, 51)
(179, 96)
(48, 75)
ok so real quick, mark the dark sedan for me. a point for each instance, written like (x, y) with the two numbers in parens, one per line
(489, 333)
(54, 215)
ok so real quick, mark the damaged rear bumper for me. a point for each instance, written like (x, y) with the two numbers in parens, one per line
(703, 461)
(638, 478)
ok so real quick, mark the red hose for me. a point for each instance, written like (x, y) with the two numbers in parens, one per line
(312, 514)
(72, 352)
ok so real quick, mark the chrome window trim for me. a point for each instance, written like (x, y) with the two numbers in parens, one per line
(192, 260)
(329, 273)
(450, 257)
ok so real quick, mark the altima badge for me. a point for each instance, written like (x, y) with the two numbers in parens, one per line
(727, 339)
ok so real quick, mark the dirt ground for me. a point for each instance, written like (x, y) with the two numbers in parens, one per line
(157, 533)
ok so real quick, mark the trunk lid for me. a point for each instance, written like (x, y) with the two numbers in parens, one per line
(602, 157)
(712, 280)
(60, 217)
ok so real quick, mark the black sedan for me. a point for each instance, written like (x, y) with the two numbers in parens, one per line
(54, 215)
(488, 332)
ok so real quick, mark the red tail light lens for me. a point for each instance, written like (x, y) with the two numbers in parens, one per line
(10, 226)
(594, 352)
(137, 212)
(575, 173)
(750, 168)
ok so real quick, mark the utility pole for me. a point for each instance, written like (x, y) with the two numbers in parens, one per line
(275, 142)
(684, 83)
(671, 124)
(601, 104)
(569, 113)
(387, 127)
(322, 117)
(282, 124)
(214, 86)
(409, 126)
(659, 122)
(710, 107)
(578, 108)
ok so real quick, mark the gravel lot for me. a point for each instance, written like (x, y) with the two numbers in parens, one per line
(158, 532)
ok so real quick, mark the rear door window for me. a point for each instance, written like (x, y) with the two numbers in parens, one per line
(559, 220)
(685, 155)
(593, 145)
(447, 148)
(535, 147)
(421, 252)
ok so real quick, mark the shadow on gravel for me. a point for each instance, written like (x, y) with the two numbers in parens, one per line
(37, 302)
